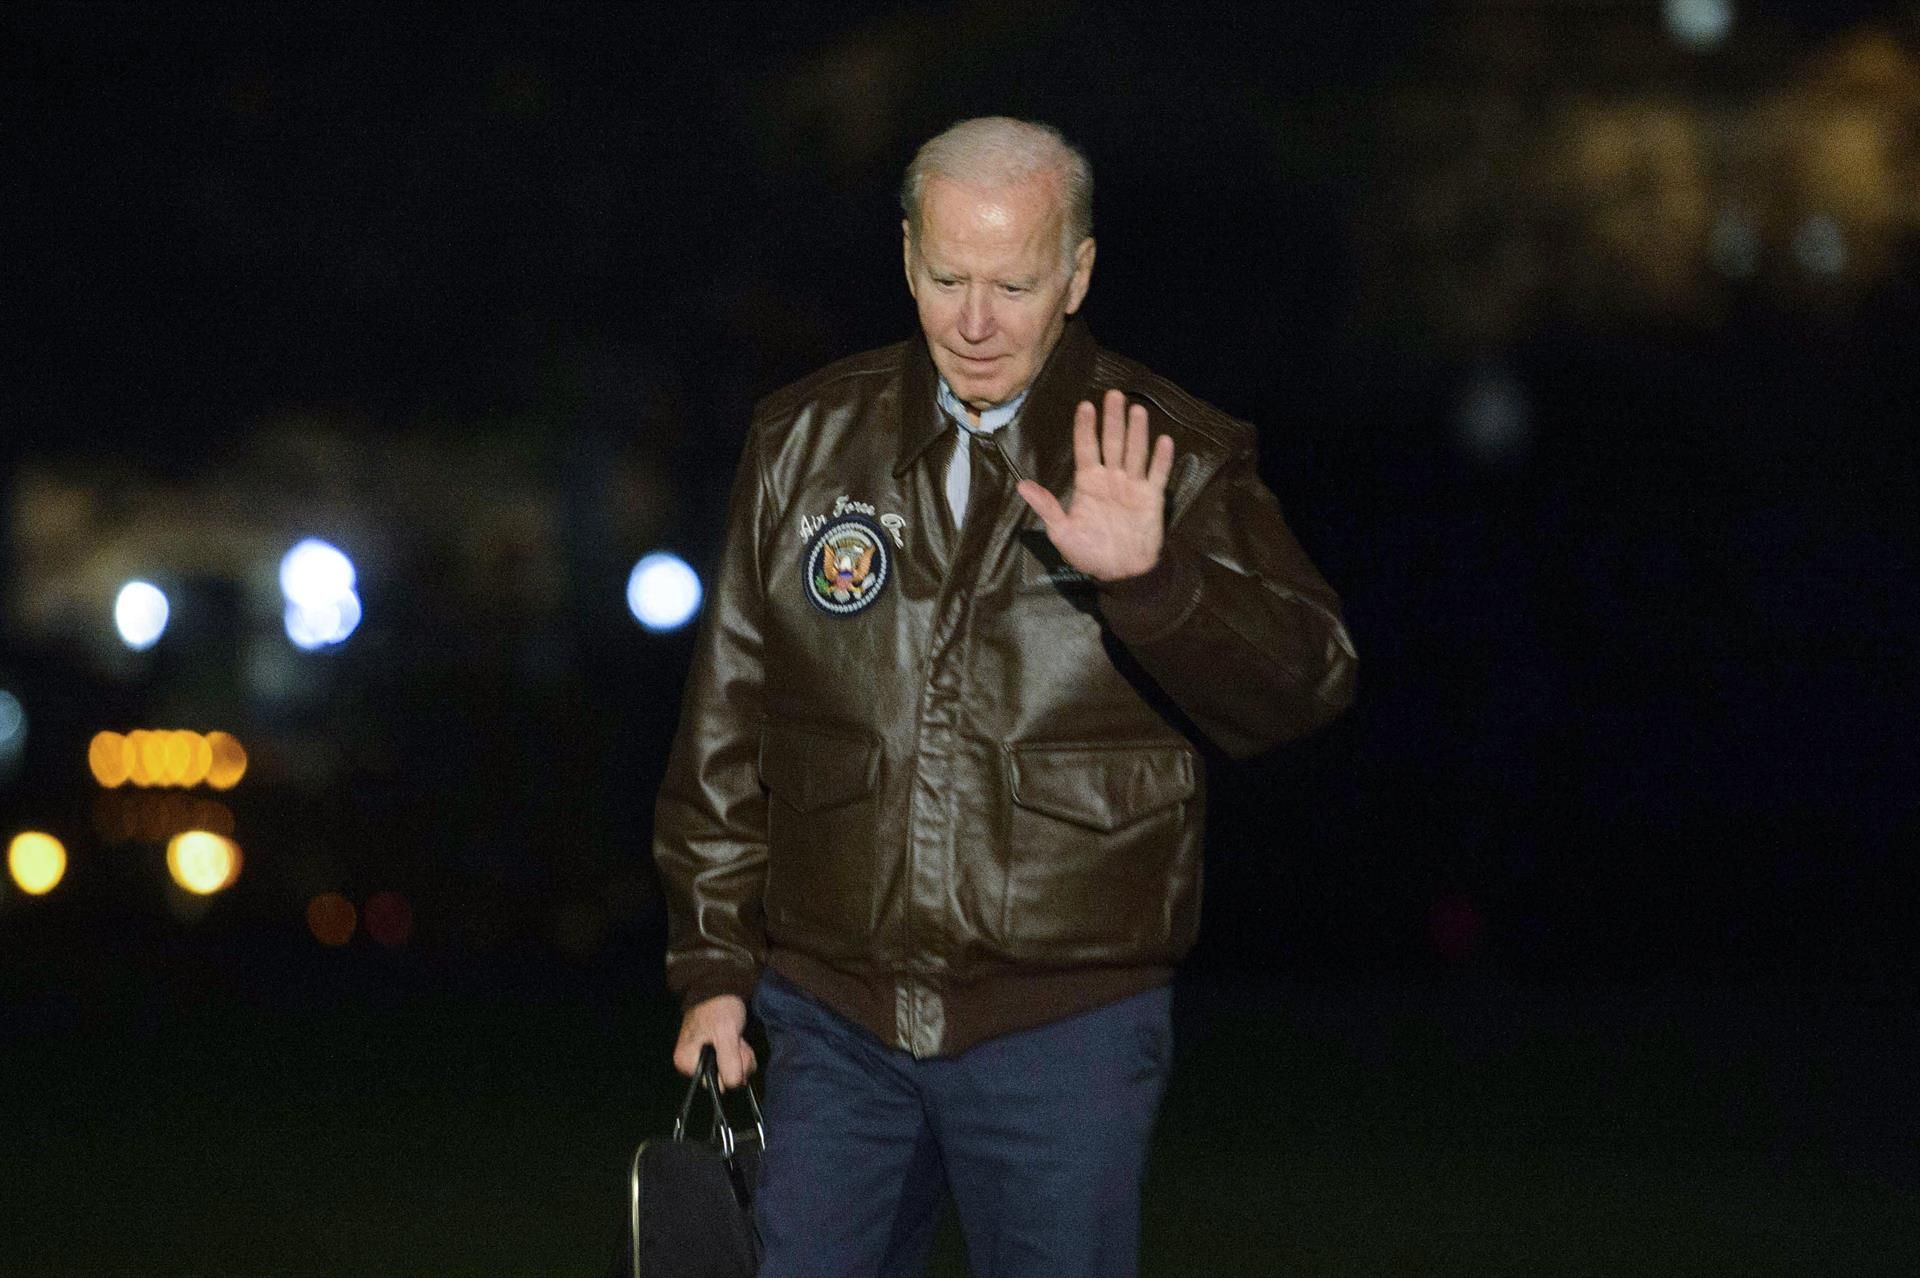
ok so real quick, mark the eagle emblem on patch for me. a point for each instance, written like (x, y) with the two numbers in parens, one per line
(846, 565)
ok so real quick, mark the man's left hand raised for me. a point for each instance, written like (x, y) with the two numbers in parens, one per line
(1114, 524)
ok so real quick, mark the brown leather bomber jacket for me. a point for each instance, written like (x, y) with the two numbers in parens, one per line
(939, 780)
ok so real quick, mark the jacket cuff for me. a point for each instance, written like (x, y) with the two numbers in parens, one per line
(1149, 607)
(711, 981)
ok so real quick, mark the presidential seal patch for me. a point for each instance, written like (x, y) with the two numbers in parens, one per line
(846, 565)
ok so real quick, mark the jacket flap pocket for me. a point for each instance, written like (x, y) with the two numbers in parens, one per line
(810, 768)
(1100, 787)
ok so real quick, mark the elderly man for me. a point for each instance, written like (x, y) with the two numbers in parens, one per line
(936, 799)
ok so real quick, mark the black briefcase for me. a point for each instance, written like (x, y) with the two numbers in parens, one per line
(691, 1201)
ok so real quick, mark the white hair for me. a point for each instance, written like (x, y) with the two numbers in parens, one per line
(998, 151)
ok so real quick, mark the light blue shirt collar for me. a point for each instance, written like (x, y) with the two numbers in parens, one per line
(991, 419)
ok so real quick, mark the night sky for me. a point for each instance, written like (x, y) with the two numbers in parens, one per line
(1636, 690)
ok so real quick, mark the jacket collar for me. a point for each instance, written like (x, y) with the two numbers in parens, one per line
(1040, 440)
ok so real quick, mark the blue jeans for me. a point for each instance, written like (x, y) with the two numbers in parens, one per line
(1041, 1136)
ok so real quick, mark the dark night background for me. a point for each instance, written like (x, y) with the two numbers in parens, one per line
(1583, 363)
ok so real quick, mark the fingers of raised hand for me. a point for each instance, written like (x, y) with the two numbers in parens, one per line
(1115, 436)
(1086, 446)
(1113, 429)
(1123, 440)
(1162, 464)
(1135, 459)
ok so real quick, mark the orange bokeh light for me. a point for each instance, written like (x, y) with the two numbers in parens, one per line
(176, 754)
(152, 748)
(229, 761)
(203, 862)
(177, 757)
(199, 758)
(109, 759)
(331, 919)
(37, 862)
(139, 759)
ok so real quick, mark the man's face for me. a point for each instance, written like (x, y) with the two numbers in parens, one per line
(988, 281)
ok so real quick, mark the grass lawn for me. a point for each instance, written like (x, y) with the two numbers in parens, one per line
(345, 1115)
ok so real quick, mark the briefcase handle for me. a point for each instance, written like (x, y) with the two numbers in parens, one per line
(706, 1077)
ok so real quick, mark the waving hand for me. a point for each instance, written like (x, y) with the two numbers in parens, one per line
(1113, 523)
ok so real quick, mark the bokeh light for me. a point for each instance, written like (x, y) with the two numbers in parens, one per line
(196, 757)
(202, 862)
(1820, 246)
(331, 919)
(37, 862)
(13, 724)
(229, 761)
(150, 749)
(389, 919)
(141, 757)
(1493, 420)
(140, 613)
(315, 573)
(322, 626)
(323, 608)
(176, 754)
(663, 593)
(1699, 24)
(110, 759)
(126, 816)
(177, 757)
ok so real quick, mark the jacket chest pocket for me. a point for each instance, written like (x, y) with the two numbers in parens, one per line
(1102, 852)
(820, 814)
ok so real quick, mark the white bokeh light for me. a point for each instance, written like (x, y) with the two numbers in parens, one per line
(322, 625)
(140, 613)
(13, 727)
(1820, 246)
(315, 574)
(1699, 24)
(1493, 417)
(323, 608)
(663, 593)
